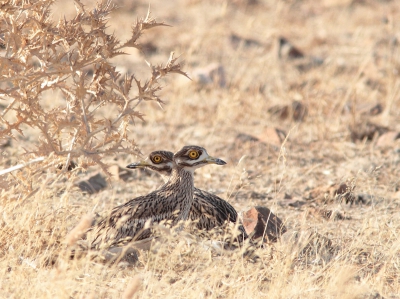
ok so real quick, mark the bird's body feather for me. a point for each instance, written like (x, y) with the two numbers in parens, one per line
(208, 211)
(127, 222)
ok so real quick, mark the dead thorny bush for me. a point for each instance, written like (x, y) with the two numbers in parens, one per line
(71, 58)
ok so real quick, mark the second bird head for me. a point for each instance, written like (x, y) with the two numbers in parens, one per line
(159, 161)
(192, 157)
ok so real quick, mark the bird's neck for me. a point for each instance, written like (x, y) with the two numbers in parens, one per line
(182, 179)
(180, 173)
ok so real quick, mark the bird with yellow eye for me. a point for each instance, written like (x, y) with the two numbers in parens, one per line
(208, 211)
(171, 202)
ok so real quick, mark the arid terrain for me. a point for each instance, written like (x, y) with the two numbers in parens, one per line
(300, 98)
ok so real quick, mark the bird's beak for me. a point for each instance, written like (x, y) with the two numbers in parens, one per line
(212, 160)
(141, 164)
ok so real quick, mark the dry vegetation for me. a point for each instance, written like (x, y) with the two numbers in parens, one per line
(68, 98)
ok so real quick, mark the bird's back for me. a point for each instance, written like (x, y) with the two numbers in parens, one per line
(127, 222)
(210, 211)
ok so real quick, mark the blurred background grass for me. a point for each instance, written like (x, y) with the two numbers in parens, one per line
(334, 103)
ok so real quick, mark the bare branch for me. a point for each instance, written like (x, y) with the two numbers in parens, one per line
(74, 128)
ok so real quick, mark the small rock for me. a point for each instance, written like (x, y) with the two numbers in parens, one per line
(243, 3)
(246, 195)
(387, 139)
(363, 198)
(5, 141)
(272, 136)
(373, 295)
(4, 184)
(243, 138)
(374, 110)
(366, 130)
(288, 51)
(297, 111)
(309, 63)
(258, 195)
(93, 184)
(329, 214)
(293, 202)
(214, 73)
(148, 48)
(345, 192)
(238, 41)
(287, 196)
(339, 192)
(261, 222)
(368, 109)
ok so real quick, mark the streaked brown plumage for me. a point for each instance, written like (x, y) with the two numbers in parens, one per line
(208, 210)
(171, 202)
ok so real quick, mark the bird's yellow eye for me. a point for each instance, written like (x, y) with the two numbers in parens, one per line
(193, 154)
(157, 159)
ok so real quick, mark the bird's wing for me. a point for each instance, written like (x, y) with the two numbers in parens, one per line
(215, 206)
(211, 211)
(127, 222)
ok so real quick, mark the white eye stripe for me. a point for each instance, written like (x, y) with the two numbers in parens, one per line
(203, 155)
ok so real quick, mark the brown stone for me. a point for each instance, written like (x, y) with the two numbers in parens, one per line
(281, 111)
(340, 192)
(345, 192)
(93, 184)
(366, 130)
(296, 111)
(261, 222)
(387, 139)
(213, 73)
(5, 141)
(244, 138)
(239, 41)
(365, 109)
(272, 136)
(372, 109)
(296, 202)
(286, 50)
(4, 184)
(299, 111)
(329, 214)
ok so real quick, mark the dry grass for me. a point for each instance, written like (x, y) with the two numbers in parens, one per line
(358, 41)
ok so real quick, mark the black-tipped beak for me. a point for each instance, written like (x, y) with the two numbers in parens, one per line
(136, 165)
(212, 160)
(219, 162)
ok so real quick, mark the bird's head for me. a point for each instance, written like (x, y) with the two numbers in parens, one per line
(191, 157)
(159, 161)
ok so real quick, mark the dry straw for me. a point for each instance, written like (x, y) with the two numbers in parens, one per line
(132, 288)
(77, 232)
(71, 59)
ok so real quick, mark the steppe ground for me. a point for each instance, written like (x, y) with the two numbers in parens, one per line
(333, 114)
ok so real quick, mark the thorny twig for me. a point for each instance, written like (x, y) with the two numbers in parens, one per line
(41, 55)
